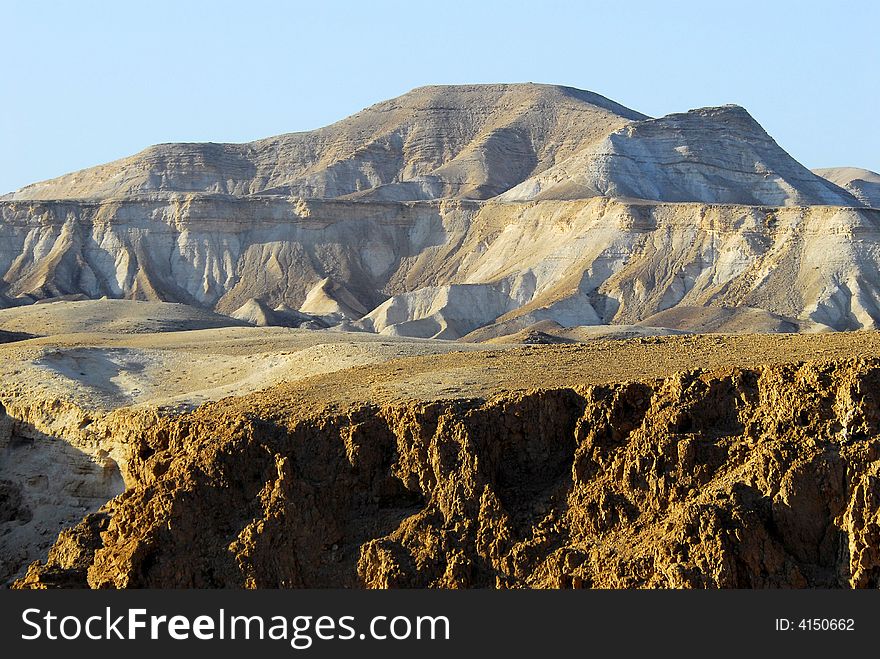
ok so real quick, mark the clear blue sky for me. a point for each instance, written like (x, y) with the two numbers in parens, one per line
(86, 82)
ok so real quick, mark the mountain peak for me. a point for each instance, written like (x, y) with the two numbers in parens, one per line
(518, 141)
(522, 92)
(466, 141)
(717, 154)
(863, 184)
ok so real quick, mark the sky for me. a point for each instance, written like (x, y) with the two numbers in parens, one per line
(87, 82)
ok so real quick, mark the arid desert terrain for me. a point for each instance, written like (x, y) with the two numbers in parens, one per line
(504, 336)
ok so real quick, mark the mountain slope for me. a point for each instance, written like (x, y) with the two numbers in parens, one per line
(443, 269)
(863, 184)
(712, 155)
(478, 210)
(461, 141)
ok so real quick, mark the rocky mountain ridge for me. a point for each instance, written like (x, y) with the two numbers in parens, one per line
(443, 141)
(444, 269)
(752, 478)
(456, 209)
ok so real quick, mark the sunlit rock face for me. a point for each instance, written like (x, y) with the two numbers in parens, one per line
(455, 209)
(712, 155)
(863, 184)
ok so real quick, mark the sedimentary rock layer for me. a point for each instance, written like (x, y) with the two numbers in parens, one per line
(461, 209)
(460, 141)
(445, 268)
(712, 155)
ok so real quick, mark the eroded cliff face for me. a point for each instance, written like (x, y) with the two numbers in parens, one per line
(57, 464)
(442, 269)
(214, 251)
(765, 477)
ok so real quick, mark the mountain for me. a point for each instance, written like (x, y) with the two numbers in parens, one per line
(712, 155)
(862, 184)
(464, 141)
(479, 210)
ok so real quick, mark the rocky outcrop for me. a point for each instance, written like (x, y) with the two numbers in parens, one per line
(334, 301)
(862, 184)
(710, 155)
(443, 312)
(746, 478)
(256, 312)
(58, 463)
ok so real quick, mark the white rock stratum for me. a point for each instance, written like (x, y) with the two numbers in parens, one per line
(473, 210)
